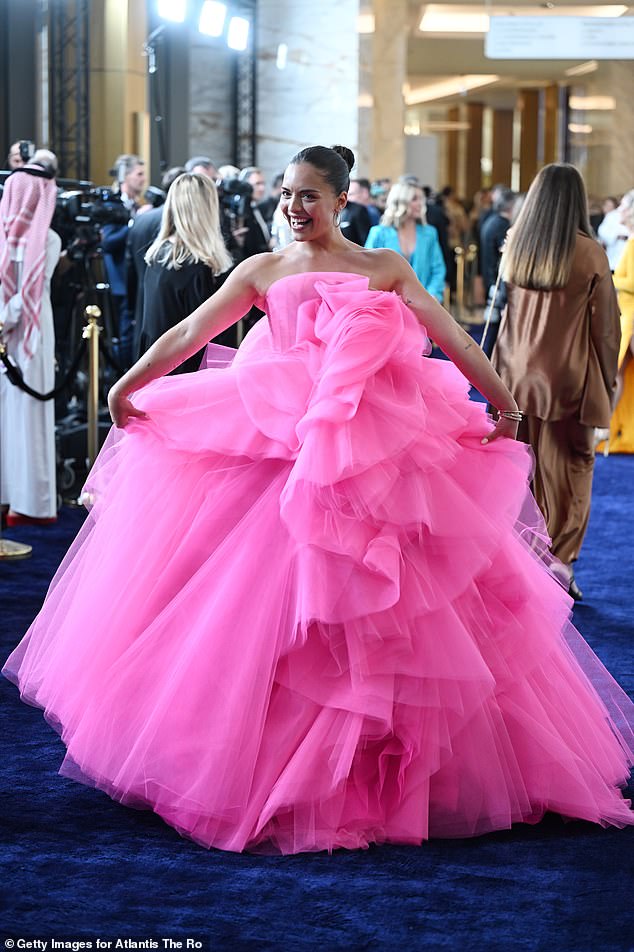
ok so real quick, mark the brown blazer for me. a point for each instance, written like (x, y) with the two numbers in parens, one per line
(557, 351)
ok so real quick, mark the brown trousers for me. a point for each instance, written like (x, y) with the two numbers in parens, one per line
(562, 483)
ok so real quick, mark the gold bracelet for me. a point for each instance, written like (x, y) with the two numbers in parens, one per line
(515, 415)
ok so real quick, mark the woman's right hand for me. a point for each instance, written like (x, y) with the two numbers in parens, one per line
(122, 409)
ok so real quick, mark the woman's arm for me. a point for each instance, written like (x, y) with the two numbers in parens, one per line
(605, 329)
(457, 345)
(220, 311)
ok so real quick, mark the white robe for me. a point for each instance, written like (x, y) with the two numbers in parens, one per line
(27, 425)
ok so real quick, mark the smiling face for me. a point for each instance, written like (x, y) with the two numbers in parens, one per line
(309, 203)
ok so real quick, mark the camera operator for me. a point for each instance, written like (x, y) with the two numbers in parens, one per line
(141, 234)
(268, 205)
(129, 172)
(29, 251)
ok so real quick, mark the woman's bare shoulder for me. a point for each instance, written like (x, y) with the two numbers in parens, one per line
(387, 267)
(259, 271)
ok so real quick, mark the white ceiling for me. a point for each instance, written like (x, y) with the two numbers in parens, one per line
(435, 56)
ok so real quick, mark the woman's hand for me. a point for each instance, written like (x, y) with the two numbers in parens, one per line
(503, 428)
(122, 409)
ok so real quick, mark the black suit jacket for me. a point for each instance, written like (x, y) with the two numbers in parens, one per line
(492, 235)
(355, 223)
(140, 236)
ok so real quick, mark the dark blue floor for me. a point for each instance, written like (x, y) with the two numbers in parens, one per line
(77, 864)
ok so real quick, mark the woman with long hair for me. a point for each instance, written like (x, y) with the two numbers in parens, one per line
(312, 607)
(186, 262)
(557, 348)
(621, 438)
(403, 229)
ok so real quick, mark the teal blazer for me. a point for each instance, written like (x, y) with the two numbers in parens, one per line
(427, 259)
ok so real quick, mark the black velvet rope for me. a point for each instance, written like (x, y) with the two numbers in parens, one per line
(15, 376)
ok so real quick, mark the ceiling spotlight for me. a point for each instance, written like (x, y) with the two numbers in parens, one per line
(173, 10)
(212, 18)
(238, 33)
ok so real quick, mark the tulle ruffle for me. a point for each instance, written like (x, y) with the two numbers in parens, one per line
(309, 610)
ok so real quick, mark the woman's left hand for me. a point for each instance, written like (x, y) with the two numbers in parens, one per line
(503, 428)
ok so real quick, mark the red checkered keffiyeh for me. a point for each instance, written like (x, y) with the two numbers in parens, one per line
(26, 210)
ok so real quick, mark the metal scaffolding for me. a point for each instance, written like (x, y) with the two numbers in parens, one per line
(69, 85)
(244, 93)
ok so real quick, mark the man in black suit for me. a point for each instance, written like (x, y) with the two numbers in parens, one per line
(355, 223)
(492, 235)
(268, 205)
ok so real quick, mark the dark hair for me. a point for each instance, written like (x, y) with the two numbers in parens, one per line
(196, 161)
(541, 244)
(170, 176)
(334, 164)
(363, 183)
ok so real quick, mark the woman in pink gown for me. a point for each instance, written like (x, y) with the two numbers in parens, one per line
(311, 606)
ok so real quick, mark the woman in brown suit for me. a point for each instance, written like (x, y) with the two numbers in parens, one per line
(557, 348)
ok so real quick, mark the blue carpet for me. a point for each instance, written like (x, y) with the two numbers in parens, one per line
(78, 865)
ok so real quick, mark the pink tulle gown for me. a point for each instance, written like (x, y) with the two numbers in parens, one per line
(308, 608)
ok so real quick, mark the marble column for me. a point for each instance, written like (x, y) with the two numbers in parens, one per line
(551, 123)
(389, 74)
(502, 147)
(528, 103)
(307, 78)
(453, 148)
(118, 83)
(473, 157)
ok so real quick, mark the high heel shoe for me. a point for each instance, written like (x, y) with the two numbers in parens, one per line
(573, 589)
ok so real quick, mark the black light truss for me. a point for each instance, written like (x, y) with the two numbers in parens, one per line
(244, 91)
(69, 85)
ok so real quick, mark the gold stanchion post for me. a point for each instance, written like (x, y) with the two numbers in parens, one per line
(91, 334)
(472, 253)
(459, 254)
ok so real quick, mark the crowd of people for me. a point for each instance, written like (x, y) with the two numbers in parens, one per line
(163, 261)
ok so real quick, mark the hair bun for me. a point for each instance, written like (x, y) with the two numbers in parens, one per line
(346, 154)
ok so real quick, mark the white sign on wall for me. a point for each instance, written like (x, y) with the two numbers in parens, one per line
(561, 38)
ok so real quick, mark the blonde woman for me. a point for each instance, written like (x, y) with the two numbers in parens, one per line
(403, 229)
(622, 425)
(186, 263)
(557, 348)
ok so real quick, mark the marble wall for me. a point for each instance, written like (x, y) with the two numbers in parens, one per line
(313, 98)
(211, 107)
